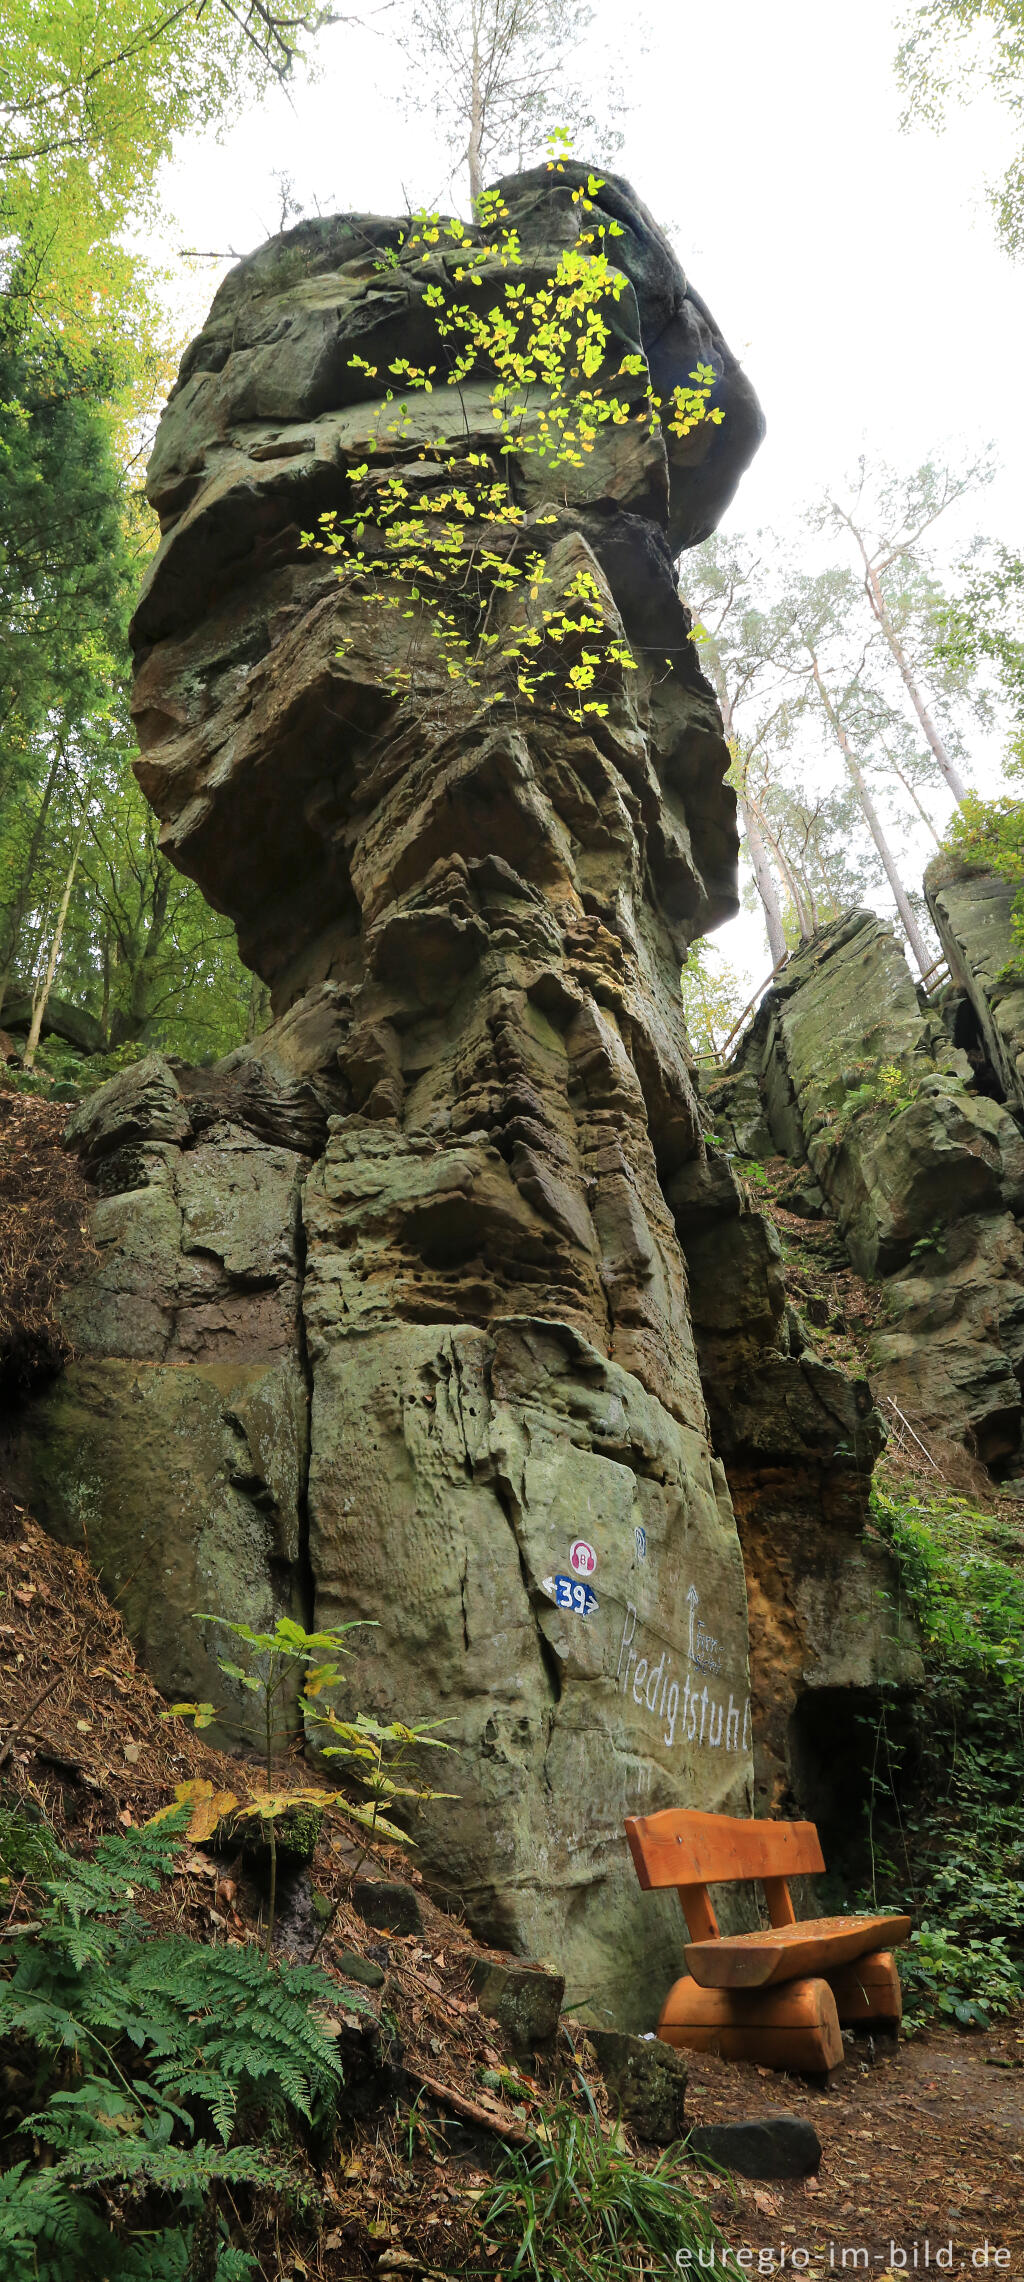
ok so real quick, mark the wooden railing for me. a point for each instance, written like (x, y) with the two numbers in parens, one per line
(936, 975)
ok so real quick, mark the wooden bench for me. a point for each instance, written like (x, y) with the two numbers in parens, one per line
(776, 1997)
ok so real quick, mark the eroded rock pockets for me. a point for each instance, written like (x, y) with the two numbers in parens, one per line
(392, 1317)
(282, 771)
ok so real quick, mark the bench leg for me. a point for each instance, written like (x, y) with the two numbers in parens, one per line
(793, 2025)
(868, 1990)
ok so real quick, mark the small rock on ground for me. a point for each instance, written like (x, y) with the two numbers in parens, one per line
(390, 1906)
(772, 2146)
(524, 1999)
(646, 2079)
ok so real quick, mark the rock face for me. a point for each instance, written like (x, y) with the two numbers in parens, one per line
(494, 1299)
(858, 1077)
(176, 1444)
(972, 911)
(287, 781)
(405, 1284)
(798, 1440)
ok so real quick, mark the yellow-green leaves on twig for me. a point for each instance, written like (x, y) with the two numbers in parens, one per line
(444, 541)
(377, 1755)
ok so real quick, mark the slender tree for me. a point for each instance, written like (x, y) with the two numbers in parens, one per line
(871, 815)
(888, 519)
(735, 650)
(504, 74)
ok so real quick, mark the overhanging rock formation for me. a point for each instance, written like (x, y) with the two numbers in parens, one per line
(436, 1358)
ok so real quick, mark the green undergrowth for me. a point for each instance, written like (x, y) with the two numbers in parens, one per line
(169, 2107)
(64, 1072)
(945, 1810)
(152, 2083)
(573, 2206)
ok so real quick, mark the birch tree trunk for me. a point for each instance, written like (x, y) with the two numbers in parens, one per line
(21, 900)
(918, 804)
(944, 759)
(880, 610)
(792, 885)
(41, 995)
(873, 820)
(474, 151)
(764, 877)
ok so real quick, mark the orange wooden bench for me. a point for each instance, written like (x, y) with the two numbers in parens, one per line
(776, 1997)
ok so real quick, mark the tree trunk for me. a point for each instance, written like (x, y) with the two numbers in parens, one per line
(812, 905)
(874, 823)
(21, 899)
(908, 787)
(944, 759)
(476, 121)
(41, 995)
(764, 879)
(789, 879)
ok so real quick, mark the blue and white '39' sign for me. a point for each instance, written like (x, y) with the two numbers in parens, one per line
(570, 1593)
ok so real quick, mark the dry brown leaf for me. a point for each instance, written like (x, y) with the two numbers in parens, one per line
(209, 1807)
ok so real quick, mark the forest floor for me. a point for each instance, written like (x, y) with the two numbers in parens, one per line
(923, 2141)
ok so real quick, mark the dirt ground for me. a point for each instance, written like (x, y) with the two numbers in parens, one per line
(923, 2144)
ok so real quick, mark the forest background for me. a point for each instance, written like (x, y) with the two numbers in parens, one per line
(859, 612)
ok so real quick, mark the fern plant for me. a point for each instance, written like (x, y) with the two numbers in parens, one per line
(155, 2069)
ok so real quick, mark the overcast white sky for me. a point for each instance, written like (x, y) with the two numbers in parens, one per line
(853, 267)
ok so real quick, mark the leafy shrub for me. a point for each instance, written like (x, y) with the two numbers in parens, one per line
(950, 1837)
(884, 1086)
(151, 2069)
(966, 1980)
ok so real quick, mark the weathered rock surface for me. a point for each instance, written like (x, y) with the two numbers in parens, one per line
(772, 2146)
(472, 1310)
(176, 1445)
(972, 912)
(279, 768)
(857, 1076)
(388, 1905)
(60, 1020)
(493, 1295)
(525, 1999)
(647, 2083)
(798, 1441)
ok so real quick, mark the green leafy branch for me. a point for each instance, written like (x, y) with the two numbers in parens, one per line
(444, 542)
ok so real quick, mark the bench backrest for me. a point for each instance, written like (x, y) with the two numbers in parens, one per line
(691, 1851)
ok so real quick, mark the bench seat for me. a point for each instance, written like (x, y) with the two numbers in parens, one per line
(777, 1997)
(788, 1952)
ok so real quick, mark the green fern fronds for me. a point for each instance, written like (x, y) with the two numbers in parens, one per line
(155, 2053)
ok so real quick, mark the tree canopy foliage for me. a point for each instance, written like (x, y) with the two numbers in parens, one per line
(92, 95)
(956, 49)
(504, 73)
